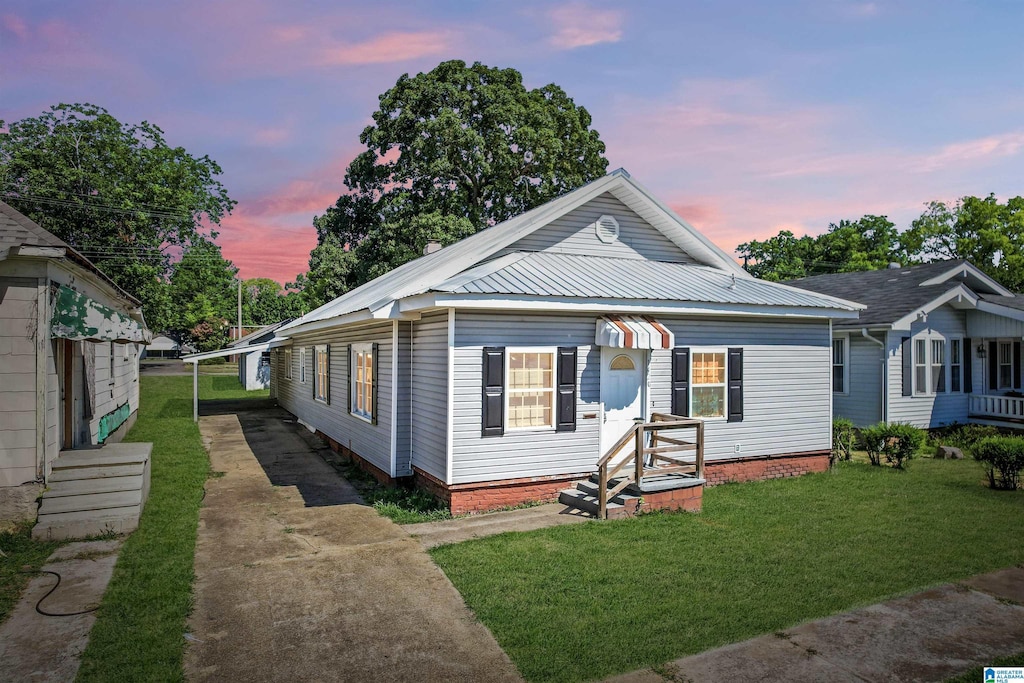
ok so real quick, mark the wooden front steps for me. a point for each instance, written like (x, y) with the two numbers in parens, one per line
(95, 491)
(655, 492)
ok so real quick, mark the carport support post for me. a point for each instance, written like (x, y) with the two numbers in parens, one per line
(195, 391)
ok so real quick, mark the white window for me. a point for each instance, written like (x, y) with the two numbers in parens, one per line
(956, 352)
(530, 388)
(839, 365)
(302, 365)
(938, 359)
(707, 383)
(920, 366)
(1005, 365)
(287, 363)
(321, 373)
(362, 380)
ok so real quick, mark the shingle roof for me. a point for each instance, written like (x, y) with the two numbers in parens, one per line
(1015, 302)
(17, 230)
(888, 294)
(599, 277)
(262, 334)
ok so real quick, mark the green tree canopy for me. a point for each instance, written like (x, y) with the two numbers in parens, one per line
(117, 192)
(202, 293)
(450, 152)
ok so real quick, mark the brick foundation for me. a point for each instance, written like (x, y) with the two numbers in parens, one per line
(480, 497)
(689, 499)
(767, 467)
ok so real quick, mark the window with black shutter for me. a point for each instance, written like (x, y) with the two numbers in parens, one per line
(735, 401)
(681, 381)
(493, 421)
(565, 420)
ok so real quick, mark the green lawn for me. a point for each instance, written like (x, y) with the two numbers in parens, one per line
(585, 601)
(139, 633)
(19, 553)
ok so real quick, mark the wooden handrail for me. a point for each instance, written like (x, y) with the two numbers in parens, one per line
(639, 453)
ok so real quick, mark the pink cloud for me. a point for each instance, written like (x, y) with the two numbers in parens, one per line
(386, 48)
(972, 151)
(577, 25)
(14, 25)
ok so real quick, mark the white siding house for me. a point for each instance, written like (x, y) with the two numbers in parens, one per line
(501, 367)
(936, 344)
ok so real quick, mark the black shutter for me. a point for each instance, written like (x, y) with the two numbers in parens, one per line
(565, 419)
(348, 378)
(493, 407)
(993, 365)
(965, 358)
(735, 385)
(327, 378)
(373, 386)
(1016, 365)
(908, 367)
(681, 381)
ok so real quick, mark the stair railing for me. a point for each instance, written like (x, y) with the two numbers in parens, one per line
(647, 459)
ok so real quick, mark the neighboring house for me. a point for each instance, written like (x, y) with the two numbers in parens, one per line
(938, 343)
(70, 341)
(253, 357)
(164, 345)
(500, 368)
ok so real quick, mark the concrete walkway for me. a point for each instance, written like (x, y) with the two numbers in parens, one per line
(297, 580)
(39, 648)
(432, 534)
(930, 636)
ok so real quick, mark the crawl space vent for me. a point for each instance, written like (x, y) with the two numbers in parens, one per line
(607, 229)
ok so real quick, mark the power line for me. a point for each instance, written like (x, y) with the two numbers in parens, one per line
(142, 205)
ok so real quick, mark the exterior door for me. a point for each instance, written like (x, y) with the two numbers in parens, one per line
(623, 391)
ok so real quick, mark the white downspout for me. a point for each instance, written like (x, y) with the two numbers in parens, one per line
(885, 374)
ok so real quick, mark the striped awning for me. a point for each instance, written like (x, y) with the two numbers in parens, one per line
(633, 332)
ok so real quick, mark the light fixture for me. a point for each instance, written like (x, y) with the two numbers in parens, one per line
(981, 350)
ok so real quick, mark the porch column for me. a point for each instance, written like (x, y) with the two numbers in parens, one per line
(195, 391)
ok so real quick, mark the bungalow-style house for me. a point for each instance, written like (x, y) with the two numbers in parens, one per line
(253, 357)
(70, 341)
(165, 345)
(938, 343)
(503, 367)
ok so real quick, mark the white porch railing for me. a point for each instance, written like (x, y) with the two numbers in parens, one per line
(997, 406)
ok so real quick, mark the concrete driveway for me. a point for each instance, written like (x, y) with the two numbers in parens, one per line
(297, 580)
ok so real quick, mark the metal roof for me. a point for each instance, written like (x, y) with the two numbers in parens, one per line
(598, 277)
(421, 275)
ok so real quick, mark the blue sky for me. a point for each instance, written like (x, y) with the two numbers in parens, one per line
(747, 118)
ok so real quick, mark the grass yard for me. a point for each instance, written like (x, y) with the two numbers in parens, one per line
(19, 553)
(139, 632)
(585, 601)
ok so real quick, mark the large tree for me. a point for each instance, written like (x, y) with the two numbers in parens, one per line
(869, 243)
(986, 232)
(117, 192)
(450, 152)
(203, 295)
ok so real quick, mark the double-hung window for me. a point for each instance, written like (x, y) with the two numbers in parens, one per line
(530, 389)
(920, 366)
(321, 373)
(287, 363)
(938, 359)
(1005, 365)
(707, 383)
(362, 374)
(956, 353)
(839, 365)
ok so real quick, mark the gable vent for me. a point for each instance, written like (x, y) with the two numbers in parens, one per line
(607, 229)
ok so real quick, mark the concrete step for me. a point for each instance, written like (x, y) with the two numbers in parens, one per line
(581, 501)
(96, 472)
(108, 455)
(82, 524)
(91, 502)
(84, 487)
(591, 489)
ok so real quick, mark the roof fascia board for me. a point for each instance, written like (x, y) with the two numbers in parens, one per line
(196, 357)
(1004, 311)
(960, 291)
(968, 269)
(576, 304)
(362, 315)
(33, 251)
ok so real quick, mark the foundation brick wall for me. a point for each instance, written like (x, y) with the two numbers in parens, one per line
(774, 467)
(467, 498)
(690, 499)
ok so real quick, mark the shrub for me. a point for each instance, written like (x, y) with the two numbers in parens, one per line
(1004, 459)
(842, 440)
(962, 436)
(896, 443)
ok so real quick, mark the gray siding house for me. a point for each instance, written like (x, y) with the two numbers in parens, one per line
(502, 367)
(938, 343)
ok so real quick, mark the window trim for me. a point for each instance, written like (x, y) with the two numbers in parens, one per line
(355, 350)
(302, 365)
(929, 363)
(943, 364)
(694, 350)
(553, 389)
(320, 388)
(287, 363)
(959, 375)
(999, 366)
(845, 338)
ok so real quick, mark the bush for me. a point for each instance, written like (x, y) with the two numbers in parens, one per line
(896, 443)
(1004, 459)
(962, 436)
(842, 440)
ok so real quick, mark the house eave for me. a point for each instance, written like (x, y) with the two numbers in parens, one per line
(958, 297)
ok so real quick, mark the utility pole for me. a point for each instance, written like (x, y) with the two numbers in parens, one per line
(239, 308)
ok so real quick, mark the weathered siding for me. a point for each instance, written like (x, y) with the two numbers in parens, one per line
(18, 316)
(862, 402)
(403, 402)
(429, 400)
(113, 386)
(786, 384)
(372, 442)
(574, 234)
(926, 410)
(525, 453)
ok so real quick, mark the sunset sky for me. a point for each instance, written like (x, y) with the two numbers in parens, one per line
(746, 118)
